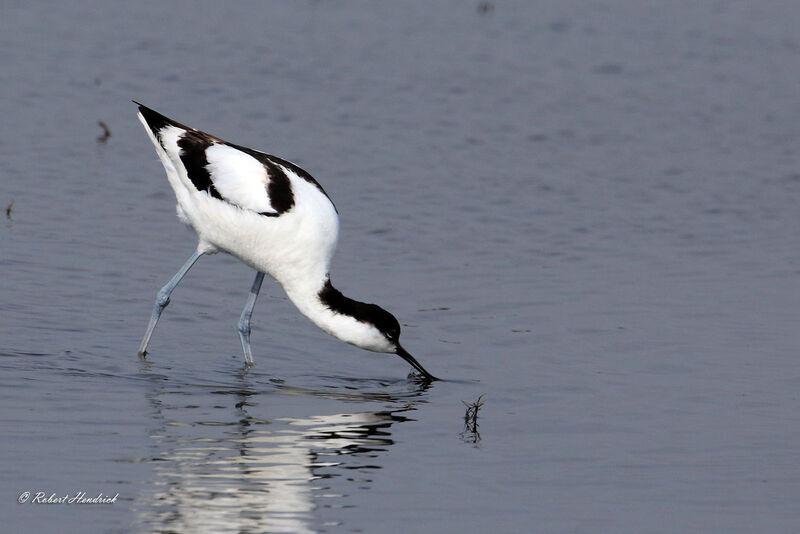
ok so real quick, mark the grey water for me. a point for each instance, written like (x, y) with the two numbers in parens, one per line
(586, 212)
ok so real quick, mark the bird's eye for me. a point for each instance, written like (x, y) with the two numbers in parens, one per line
(392, 335)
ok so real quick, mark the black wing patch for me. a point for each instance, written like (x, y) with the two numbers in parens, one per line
(279, 189)
(271, 162)
(193, 146)
(302, 173)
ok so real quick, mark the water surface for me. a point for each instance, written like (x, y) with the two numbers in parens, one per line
(586, 212)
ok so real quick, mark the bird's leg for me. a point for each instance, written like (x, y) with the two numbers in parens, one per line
(244, 321)
(162, 299)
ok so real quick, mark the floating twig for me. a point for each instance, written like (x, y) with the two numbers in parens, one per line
(470, 433)
(106, 132)
(8, 210)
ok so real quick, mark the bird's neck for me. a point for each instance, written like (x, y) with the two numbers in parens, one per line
(334, 313)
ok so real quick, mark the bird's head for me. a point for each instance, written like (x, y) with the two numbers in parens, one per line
(387, 336)
(367, 326)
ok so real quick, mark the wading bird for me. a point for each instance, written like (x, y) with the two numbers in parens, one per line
(273, 216)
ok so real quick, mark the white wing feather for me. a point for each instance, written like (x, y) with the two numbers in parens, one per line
(240, 178)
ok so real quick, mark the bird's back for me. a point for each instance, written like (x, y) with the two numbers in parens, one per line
(264, 210)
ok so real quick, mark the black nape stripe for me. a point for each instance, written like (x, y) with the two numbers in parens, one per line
(362, 312)
(193, 146)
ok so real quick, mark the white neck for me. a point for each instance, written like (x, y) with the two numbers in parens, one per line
(340, 325)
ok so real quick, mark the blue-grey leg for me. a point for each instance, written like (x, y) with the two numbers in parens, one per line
(244, 320)
(162, 299)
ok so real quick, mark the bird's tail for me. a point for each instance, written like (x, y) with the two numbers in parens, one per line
(156, 121)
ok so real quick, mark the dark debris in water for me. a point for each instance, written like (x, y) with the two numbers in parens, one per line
(471, 433)
(485, 8)
(8, 210)
(106, 132)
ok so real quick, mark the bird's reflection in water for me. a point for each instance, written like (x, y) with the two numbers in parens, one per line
(252, 475)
